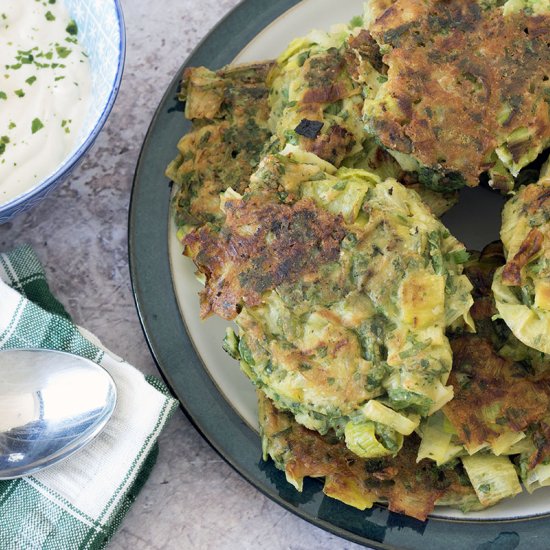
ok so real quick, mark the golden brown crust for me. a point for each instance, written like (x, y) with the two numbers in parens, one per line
(530, 247)
(333, 146)
(408, 487)
(229, 110)
(490, 393)
(327, 80)
(453, 69)
(325, 94)
(537, 197)
(541, 439)
(363, 47)
(262, 245)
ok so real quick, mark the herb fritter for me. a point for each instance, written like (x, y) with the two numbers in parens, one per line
(342, 286)
(229, 111)
(467, 88)
(522, 286)
(501, 405)
(407, 486)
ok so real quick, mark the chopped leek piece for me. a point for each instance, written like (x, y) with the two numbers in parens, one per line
(503, 443)
(493, 477)
(538, 477)
(377, 412)
(436, 443)
(361, 440)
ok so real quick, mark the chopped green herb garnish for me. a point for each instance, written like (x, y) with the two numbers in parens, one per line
(415, 348)
(31, 80)
(36, 125)
(485, 488)
(458, 256)
(19, 93)
(3, 95)
(50, 16)
(72, 27)
(63, 51)
(356, 21)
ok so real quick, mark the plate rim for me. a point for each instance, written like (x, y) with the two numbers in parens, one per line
(162, 325)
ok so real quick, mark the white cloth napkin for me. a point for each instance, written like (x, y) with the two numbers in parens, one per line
(79, 502)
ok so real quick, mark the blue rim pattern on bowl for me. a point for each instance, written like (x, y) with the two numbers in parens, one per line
(33, 196)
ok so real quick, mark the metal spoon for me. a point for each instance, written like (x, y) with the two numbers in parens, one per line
(51, 405)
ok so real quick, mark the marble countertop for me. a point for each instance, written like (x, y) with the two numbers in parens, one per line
(193, 499)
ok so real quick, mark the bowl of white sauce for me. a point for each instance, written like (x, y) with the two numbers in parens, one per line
(61, 64)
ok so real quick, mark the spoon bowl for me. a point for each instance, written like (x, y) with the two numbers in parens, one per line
(51, 405)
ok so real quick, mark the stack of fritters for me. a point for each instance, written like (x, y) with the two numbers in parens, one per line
(496, 427)
(306, 194)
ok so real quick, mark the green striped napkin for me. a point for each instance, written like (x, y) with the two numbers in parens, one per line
(79, 502)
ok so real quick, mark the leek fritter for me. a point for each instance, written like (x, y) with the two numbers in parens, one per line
(315, 97)
(493, 395)
(467, 87)
(317, 90)
(480, 270)
(229, 111)
(501, 385)
(501, 409)
(501, 404)
(408, 488)
(342, 286)
(522, 286)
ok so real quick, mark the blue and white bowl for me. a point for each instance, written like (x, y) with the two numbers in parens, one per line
(102, 35)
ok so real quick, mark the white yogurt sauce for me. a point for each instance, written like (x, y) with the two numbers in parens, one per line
(45, 87)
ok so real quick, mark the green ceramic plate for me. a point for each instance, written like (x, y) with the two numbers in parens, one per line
(214, 394)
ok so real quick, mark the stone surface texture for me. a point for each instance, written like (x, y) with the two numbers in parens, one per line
(193, 499)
